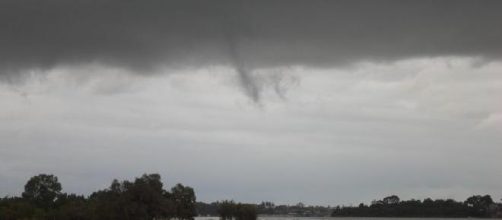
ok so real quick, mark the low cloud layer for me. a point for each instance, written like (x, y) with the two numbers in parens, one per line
(146, 35)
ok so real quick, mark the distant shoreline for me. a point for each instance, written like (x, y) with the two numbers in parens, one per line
(476, 206)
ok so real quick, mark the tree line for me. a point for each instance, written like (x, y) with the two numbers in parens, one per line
(392, 206)
(229, 210)
(141, 199)
(146, 199)
(267, 208)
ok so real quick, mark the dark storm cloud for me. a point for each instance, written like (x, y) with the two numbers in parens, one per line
(244, 34)
(421, 125)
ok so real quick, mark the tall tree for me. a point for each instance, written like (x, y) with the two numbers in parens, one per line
(226, 209)
(391, 200)
(184, 200)
(479, 204)
(42, 190)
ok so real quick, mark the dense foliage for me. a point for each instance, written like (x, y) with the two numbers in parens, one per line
(228, 210)
(269, 208)
(145, 199)
(392, 206)
(142, 199)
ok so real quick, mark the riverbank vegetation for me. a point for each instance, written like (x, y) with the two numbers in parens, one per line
(229, 210)
(146, 199)
(270, 209)
(391, 206)
(142, 199)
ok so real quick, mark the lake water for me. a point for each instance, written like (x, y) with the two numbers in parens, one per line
(335, 218)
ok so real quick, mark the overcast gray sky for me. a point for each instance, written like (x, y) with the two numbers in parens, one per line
(324, 102)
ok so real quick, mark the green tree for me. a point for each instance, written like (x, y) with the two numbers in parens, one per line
(391, 200)
(144, 198)
(42, 190)
(245, 212)
(226, 209)
(147, 191)
(72, 207)
(16, 208)
(479, 204)
(184, 201)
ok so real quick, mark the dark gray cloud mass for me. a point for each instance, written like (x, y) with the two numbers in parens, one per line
(245, 34)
